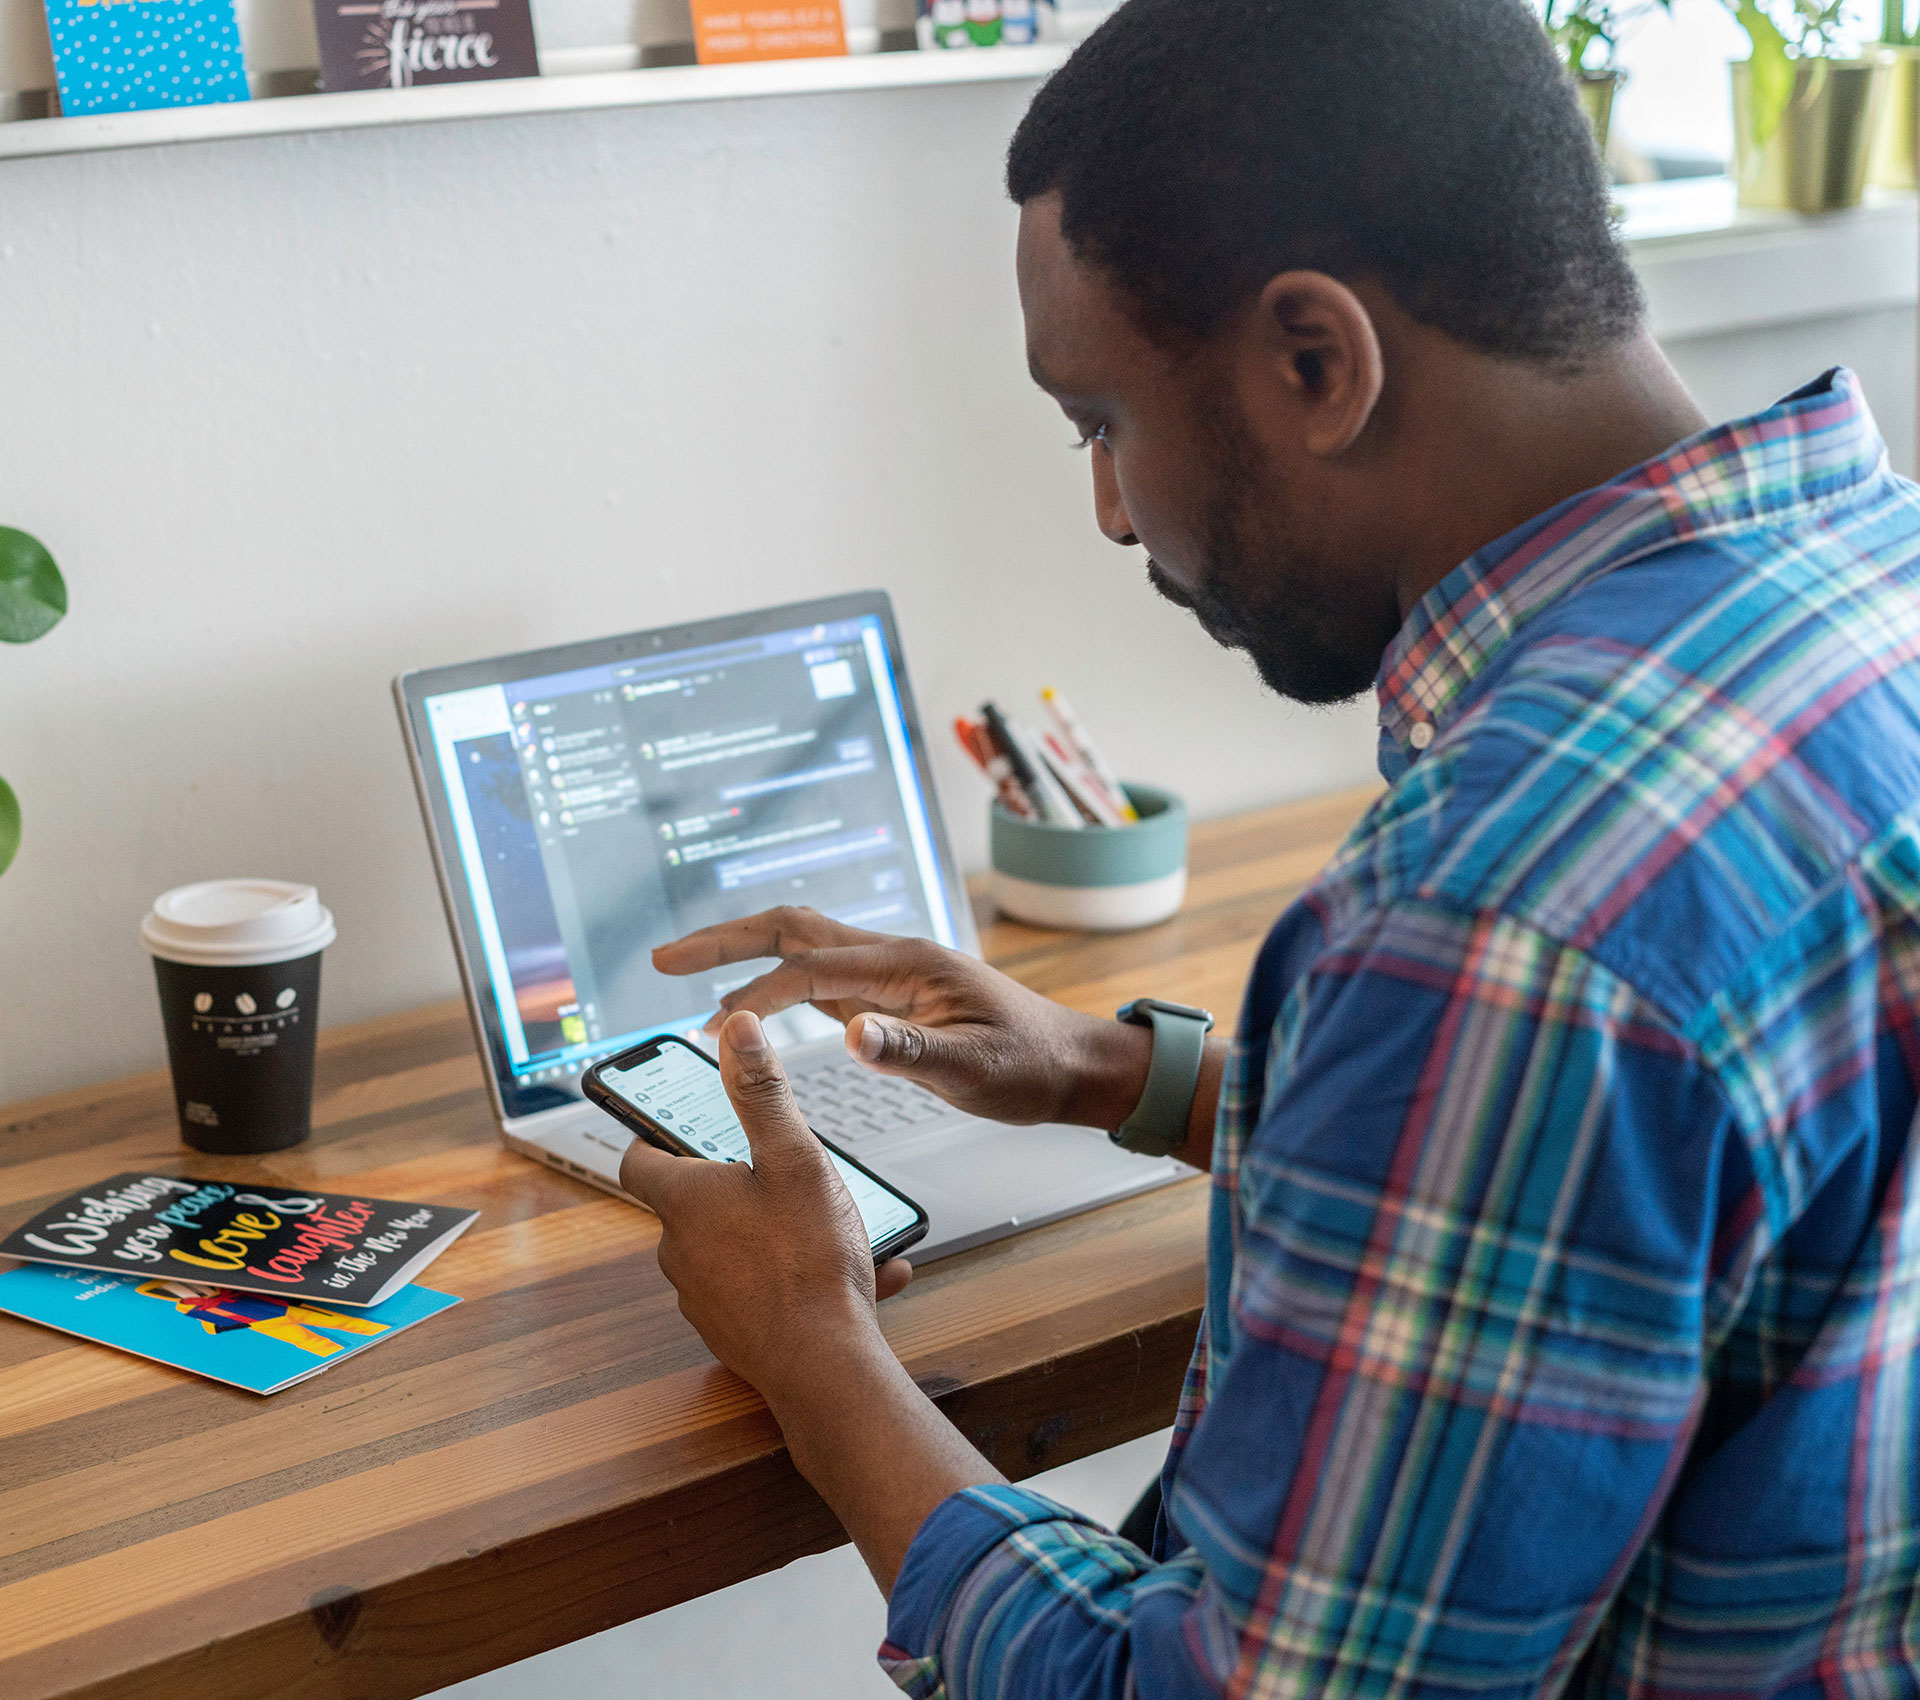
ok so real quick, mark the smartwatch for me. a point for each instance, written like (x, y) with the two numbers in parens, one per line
(1158, 1125)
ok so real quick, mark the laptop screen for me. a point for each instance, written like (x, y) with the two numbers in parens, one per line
(592, 803)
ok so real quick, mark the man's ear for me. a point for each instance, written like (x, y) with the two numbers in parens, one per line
(1319, 343)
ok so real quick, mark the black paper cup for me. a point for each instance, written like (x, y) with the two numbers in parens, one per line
(240, 1043)
(240, 1033)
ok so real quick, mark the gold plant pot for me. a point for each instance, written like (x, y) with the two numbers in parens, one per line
(1597, 89)
(1816, 161)
(1896, 132)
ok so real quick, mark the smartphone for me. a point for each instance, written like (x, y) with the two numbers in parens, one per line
(670, 1093)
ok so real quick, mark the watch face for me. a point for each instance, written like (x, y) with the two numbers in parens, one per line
(1137, 1012)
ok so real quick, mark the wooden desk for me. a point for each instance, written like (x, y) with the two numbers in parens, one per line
(559, 1454)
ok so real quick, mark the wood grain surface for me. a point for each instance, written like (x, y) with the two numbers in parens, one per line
(558, 1454)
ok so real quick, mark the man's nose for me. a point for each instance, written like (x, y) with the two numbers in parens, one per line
(1108, 509)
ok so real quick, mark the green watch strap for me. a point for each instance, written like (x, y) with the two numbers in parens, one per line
(1158, 1125)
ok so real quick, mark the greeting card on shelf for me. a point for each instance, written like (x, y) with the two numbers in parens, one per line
(728, 31)
(394, 44)
(129, 55)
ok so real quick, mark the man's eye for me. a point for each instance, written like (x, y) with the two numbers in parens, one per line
(1088, 438)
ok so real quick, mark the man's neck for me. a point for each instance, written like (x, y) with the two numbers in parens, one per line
(1507, 440)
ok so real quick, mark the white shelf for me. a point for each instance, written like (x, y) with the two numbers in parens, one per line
(664, 86)
(1708, 266)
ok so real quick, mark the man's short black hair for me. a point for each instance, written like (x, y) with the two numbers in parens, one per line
(1201, 147)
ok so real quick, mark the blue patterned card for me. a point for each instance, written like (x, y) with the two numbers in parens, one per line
(126, 55)
(250, 1340)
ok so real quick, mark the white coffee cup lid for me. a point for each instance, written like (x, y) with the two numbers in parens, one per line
(235, 923)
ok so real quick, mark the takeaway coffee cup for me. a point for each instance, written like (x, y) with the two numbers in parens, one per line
(238, 963)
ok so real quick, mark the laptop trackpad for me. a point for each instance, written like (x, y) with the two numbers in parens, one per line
(1018, 1173)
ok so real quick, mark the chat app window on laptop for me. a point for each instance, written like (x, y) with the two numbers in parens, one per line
(601, 812)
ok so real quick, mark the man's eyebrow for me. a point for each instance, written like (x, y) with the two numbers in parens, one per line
(1038, 373)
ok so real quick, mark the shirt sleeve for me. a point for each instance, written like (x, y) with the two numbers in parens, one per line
(1460, 1364)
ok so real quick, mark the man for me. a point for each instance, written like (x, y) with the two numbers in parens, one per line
(1565, 1255)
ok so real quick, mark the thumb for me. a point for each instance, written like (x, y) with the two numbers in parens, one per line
(757, 1086)
(931, 1055)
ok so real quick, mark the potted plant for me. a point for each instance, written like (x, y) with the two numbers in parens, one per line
(1803, 109)
(1896, 135)
(1587, 35)
(33, 597)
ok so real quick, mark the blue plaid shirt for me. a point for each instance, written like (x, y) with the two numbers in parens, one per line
(1565, 1250)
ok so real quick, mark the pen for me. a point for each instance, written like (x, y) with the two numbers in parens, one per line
(1075, 736)
(1078, 783)
(1058, 802)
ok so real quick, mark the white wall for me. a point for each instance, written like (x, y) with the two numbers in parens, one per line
(1738, 372)
(299, 412)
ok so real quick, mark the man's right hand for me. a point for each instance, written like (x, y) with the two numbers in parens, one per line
(983, 1042)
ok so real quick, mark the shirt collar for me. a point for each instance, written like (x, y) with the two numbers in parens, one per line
(1819, 443)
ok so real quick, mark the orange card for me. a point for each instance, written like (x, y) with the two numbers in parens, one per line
(726, 31)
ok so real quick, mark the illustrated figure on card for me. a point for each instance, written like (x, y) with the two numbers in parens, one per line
(292, 1323)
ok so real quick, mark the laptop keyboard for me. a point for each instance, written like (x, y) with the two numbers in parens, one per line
(846, 1104)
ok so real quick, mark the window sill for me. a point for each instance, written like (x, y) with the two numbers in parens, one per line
(1710, 267)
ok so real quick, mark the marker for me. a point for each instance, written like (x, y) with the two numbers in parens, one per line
(1077, 740)
(1005, 748)
(999, 772)
(1054, 797)
(1050, 803)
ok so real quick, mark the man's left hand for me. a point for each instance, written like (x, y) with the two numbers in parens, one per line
(771, 1262)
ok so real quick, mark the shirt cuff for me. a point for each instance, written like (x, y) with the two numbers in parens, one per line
(960, 1531)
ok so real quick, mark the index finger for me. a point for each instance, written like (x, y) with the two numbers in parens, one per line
(877, 972)
(773, 932)
(651, 1175)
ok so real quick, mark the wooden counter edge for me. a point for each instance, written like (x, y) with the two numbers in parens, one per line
(408, 1638)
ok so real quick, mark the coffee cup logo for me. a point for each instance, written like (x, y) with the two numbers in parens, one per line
(203, 1001)
(245, 1004)
(285, 999)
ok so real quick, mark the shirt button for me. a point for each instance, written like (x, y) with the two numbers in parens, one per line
(1421, 735)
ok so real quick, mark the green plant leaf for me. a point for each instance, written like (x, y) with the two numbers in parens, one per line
(1771, 70)
(9, 825)
(33, 596)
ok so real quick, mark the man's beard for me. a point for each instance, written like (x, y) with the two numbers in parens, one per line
(1258, 591)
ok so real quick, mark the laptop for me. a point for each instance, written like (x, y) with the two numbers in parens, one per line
(587, 803)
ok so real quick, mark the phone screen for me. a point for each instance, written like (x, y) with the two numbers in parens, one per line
(682, 1091)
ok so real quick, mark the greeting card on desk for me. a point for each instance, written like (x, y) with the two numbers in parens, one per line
(247, 1340)
(393, 44)
(127, 55)
(335, 1247)
(728, 31)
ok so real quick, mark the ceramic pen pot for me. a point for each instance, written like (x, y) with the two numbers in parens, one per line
(1095, 879)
